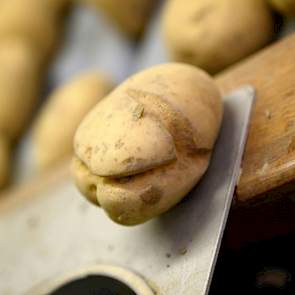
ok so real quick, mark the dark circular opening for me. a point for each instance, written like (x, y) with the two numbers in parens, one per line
(94, 285)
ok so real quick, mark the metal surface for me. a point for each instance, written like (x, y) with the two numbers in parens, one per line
(59, 231)
(135, 282)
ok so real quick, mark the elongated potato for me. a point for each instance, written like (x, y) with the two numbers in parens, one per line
(55, 128)
(31, 21)
(286, 7)
(143, 147)
(4, 161)
(214, 34)
(130, 16)
(19, 84)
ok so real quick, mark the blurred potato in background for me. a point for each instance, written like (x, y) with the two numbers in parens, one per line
(19, 84)
(55, 127)
(58, 7)
(4, 161)
(29, 32)
(29, 20)
(286, 7)
(130, 16)
(213, 34)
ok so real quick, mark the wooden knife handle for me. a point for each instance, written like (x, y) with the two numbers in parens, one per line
(269, 159)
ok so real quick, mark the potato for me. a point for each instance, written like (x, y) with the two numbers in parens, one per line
(146, 145)
(130, 16)
(213, 34)
(286, 7)
(31, 21)
(19, 84)
(4, 161)
(56, 125)
(57, 6)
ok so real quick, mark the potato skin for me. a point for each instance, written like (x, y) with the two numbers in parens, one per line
(182, 99)
(58, 7)
(55, 127)
(20, 87)
(28, 35)
(19, 84)
(130, 16)
(4, 161)
(213, 34)
(31, 21)
(286, 7)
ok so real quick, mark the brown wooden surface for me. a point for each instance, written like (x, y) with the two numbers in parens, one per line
(269, 159)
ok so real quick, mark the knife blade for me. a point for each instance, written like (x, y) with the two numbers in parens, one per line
(176, 253)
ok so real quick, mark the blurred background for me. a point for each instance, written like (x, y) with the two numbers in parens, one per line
(58, 58)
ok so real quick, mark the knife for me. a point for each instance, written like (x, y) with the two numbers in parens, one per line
(175, 253)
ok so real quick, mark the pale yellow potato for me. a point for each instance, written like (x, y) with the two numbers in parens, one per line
(5, 151)
(213, 34)
(55, 127)
(146, 145)
(19, 84)
(286, 7)
(130, 16)
(31, 21)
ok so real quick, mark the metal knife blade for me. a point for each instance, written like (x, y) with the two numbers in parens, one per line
(59, 231)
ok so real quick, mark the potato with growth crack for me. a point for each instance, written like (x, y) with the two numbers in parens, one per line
(54, 129)
(145, 146)
(213, 34)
